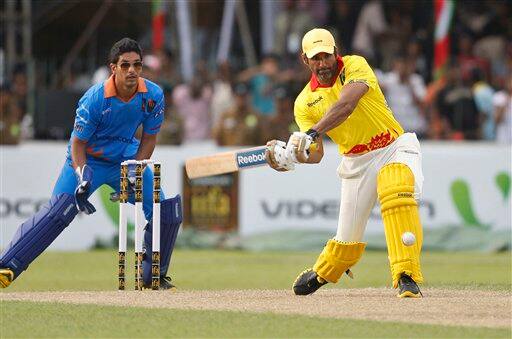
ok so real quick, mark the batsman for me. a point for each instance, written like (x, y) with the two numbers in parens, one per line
(379, 161)
(107, 118)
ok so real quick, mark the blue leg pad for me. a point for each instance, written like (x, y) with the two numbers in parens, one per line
(171, 217)
(38, 232)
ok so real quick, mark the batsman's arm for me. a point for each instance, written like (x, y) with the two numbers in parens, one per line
(78, 152)
(341, 110)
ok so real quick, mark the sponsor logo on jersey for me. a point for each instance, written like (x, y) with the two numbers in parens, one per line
(79, 128)
(115, 138)
(151, 105)
(314, 102)
(251, 158)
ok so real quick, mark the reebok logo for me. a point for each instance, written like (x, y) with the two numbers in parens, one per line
(251, 158)
(314, 102)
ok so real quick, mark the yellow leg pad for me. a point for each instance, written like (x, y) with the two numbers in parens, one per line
(336, 258)
(399, 209)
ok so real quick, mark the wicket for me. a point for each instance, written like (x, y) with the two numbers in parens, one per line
(139, 224)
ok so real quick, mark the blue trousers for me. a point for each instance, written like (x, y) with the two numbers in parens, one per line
(109, 174)
(39, 231)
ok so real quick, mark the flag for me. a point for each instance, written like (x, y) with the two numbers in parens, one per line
(159, 10)
(443, 10)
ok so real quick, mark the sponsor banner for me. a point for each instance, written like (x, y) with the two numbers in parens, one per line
(465, 183)
(211, 203)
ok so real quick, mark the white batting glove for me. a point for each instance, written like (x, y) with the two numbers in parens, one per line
(298, 146)
(278, 157)
(283, 156)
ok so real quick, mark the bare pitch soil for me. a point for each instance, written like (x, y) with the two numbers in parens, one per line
(440, 307)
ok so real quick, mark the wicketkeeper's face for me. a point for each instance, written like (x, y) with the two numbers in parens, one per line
(324, 66)
(127, 69)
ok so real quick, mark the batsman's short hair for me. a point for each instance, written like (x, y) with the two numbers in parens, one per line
(124, 45)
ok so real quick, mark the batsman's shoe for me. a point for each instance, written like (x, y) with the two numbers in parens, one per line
(6, 277)
(307, 282)
(408, 288)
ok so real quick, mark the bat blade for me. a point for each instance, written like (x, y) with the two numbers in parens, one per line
(226, 162)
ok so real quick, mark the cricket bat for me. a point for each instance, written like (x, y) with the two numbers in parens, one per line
(226, 162)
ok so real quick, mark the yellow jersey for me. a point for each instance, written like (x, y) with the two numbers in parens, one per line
(370, 126)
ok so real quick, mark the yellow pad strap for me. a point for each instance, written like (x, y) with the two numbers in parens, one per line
(399, 209)
(336, 258)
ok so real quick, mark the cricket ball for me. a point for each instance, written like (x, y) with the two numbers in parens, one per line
(408, 238)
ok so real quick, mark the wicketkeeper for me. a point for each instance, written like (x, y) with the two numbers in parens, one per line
(107, 118)
(343, 100)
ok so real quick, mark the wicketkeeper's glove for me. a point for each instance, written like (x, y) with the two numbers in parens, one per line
(84, 177)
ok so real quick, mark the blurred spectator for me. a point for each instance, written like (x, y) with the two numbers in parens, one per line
(493, 49)
(291, 23)
(483, 94)
(342, 21)
(283, 124)
(393, 39)
(370, 24)
(415, 55)
(405, 92)
(468, 61)
(222, 98)
(192, 103)
(473, 17)
(152, 68)
(10, 117)
(261, 80)
(19, 89)
(239, 125)
(502, 101)
(100, 75)
(436, 124)
(171, 132)
(167, 76)
(457, 107)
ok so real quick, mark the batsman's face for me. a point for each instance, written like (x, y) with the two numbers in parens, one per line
(324, 66)
(127, 69)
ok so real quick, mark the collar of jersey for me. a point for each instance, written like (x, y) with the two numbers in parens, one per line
(313, 82)
(110, 87)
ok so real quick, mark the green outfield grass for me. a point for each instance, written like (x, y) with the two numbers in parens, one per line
(57, 320)
(214, 270)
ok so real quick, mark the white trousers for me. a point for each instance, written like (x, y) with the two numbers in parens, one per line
(359, 183)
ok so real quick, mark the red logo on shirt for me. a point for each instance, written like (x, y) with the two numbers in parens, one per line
(376, 142)
(151, 105)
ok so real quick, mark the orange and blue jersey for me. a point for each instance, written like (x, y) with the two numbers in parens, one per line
(108, 124)
(370, 126)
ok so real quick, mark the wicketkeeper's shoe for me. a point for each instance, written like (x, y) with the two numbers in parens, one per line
(307, 282)
(165, 284)
(6, 277)
(407, 288)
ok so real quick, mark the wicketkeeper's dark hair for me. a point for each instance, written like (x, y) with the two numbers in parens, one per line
(124, 45)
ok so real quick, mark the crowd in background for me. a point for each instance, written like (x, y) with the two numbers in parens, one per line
(248, 106)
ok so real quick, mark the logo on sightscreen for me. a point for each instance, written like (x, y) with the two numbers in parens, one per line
(251, 158)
